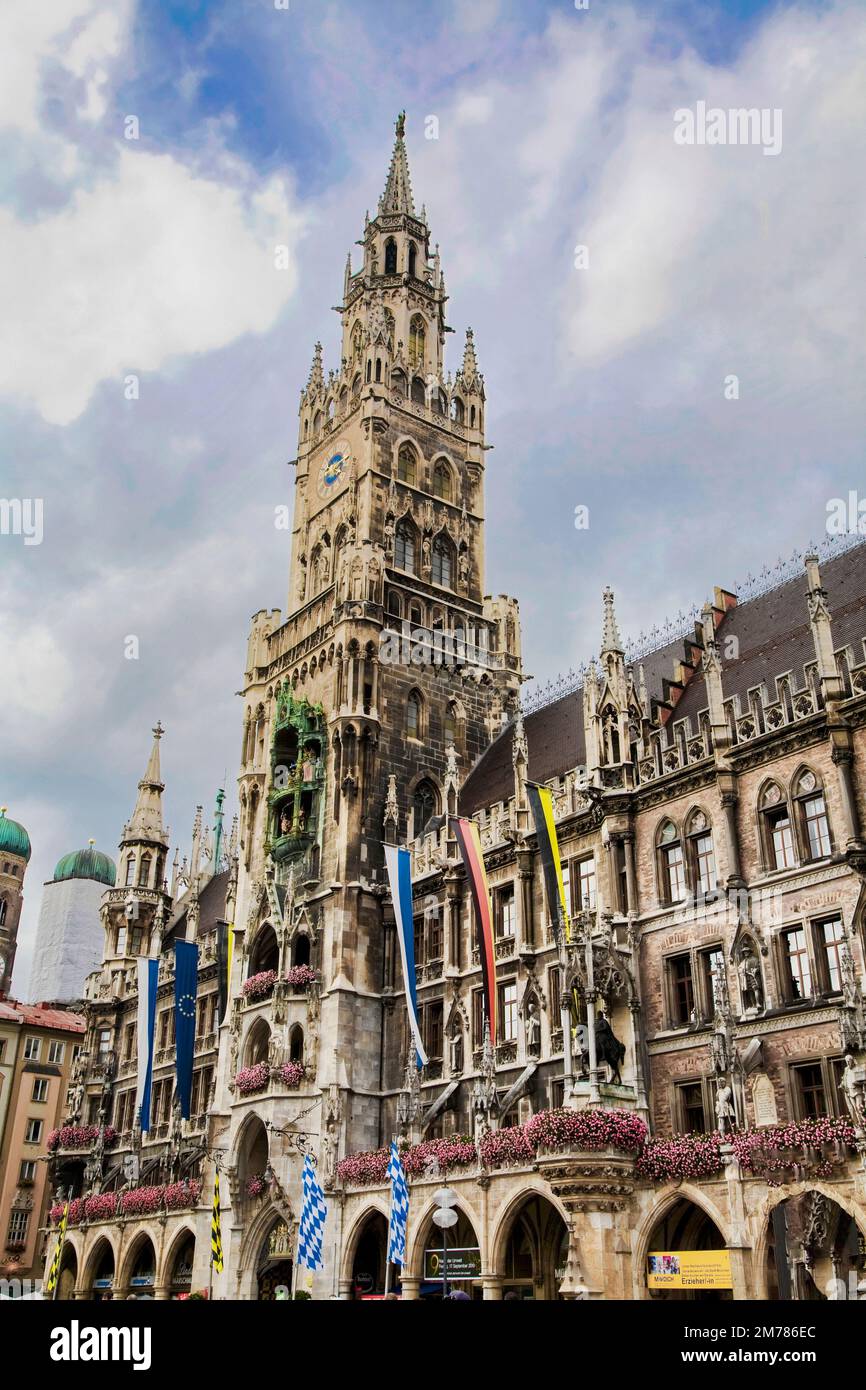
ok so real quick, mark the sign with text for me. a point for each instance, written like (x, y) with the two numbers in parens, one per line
(689, 1269)
(462, 1264)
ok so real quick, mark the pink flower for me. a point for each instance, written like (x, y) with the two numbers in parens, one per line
(259, 986)
(300, 976)
(252, 1079)
(291, 1074)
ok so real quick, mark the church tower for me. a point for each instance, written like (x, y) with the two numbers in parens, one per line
(390, 654)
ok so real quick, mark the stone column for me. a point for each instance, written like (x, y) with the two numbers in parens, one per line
(843, 758)
(410, 1284)
(525, 924)
(492, 1286)
(345, 1287)
(630, 879)
(729, 807)
(161, 1293)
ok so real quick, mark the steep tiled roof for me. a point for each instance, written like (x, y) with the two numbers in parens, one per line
(773, 634)
(40, 1016)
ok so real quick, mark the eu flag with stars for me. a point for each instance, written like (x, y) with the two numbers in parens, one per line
(185, 987)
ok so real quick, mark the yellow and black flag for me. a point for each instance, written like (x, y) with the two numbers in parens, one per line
(216, 1240)
(541, 801)
(54, 1271)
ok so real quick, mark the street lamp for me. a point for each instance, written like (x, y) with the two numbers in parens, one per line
(445, 1217)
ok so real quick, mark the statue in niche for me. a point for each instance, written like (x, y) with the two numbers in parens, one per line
(285, 821)
(532, 1028)
(426, 552)
(389, 536)
(853, 1088)
(749, 972)
(726, 1115)
(609, 1049)
(275, 1051)
(457, 1053)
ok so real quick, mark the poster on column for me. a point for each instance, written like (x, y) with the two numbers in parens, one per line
(689, 1269)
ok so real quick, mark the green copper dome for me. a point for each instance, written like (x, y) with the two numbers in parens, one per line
(87, 863)
(13, 837)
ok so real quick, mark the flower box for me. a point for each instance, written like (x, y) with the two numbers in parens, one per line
(300, 977)
(292, 1074)
(259, 986)
(255, 1185)
(78, 1137)
(251, 1080)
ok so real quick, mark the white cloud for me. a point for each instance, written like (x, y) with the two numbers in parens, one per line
(151, 262)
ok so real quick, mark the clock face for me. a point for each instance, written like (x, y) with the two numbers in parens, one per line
(336, 469)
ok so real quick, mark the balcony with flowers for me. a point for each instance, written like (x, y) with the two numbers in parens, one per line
(259, 987)
(254, 1080)
(71, 1138)
(133, 1202)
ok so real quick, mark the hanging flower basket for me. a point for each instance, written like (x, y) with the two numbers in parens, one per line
(684, 1156)
(78, 1137)
(255, 1185)
(259, 986)
(250, 1080)
(586, 1130)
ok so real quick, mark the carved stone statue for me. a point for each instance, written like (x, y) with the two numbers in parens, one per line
(457, 1053)
(609, 1049)
(532, 1028)
(853, 1088)
(275, 1051)
(749, 972)
(726, 1115)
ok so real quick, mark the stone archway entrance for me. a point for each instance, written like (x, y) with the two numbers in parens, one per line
(142, 1271)
(368, 1266)
(102, 1272)
(463, 1261)
(815, 1251)
(181, 1265)
(536, 1252)
(685, 1227)
(274, 1269)
(68, 1274)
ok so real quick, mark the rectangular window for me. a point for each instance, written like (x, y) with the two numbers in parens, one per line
(554, 986)
(32, 1049)
(40, 1090)
(682, 991)
(817, 827)
(33, 1132)
(434, 936)
(781, 839)
(508, 1012)
(128, 1041)
(674, 872)
(121, 941)
(55, 1051)
(419, 941)
(557, 1094)
(505, 912)
(691, 1108)
(433, 1028)
(566, 884)
(712, 963)
(798, 964)
(831, 935)
(586, 899)
(811, 1097)
(477, 1018)
(104, 1042)
(19, 1221)
(705, 863)
(135, 937)
(27, 1171)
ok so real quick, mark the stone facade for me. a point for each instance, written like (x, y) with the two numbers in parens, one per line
(708, 802)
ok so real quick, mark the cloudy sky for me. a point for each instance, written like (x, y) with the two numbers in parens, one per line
(260, 126)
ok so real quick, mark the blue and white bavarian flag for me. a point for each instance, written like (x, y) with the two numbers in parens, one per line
(400, 879)
(399, 1208)
(185, 989)
(148, 979)
(311, 1228)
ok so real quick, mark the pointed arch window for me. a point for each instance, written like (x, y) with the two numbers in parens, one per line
(130, 870)
(414, 714)
(457, 411)
(413, 258)
(407, 465)
(404, 547)
(701, 854)
(442, 481)
(390, 256)
(814, 824)
(417, 341)
(419, 395)
(449, 727)
(777, 830)
(442, 566)
(425, 805)
(144, 871)
(671, 866)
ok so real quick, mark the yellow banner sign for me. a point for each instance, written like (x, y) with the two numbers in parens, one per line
(689, 1269)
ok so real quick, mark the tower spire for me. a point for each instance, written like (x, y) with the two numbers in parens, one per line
(610, 638)
(145, 823)
(397, 197)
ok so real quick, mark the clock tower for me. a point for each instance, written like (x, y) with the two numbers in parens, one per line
(392, 671)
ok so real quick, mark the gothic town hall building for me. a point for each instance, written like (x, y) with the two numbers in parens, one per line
(709, 798)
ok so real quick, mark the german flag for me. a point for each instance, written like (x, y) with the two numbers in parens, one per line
(541, 801)
(54, 1271)
(216, 1240)
(469, 842)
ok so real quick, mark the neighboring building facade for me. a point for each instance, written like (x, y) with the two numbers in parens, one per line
(38, 1050)
(69, 939)
(14, 858)
(709, 802)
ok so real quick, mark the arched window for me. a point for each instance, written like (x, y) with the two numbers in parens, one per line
(441, 570)
(398, 382)
(356, 385)
(144, 871)
(301, 949)
(296, 1044)
(442, 481)
(413, 257)
(813, 823)
(357, 342)
(404, 547)
(425, 805)
(417, 341)
(419, 395)
(416, 615)
(777, 832)
(395, 607)
(449, 727)
(701, 855)
(378, 369)
(369, 370)
(414, 711)
(672, 878)
(407, 466)
(130, 870)
(457, 411)
(2, 911)
(390, 256)
(317, 422)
